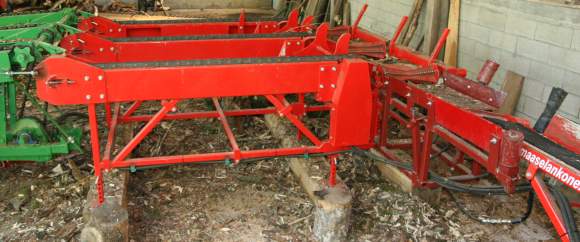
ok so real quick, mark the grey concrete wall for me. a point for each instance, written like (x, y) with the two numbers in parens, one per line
(539, 41)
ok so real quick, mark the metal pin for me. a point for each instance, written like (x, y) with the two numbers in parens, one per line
(102, 96)
(493, 141)
(333, 68)
(321, 68)
(87, 78)
(321, 86)
(100, 77)
(332, 85)
(88, 97)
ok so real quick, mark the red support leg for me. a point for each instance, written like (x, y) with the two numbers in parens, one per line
(332, 175)
(547, 201)
(96, 152)
(111, 136)
(108, 114)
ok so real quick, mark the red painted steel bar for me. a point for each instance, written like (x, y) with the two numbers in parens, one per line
(111, 134)
(94, 132)
(228, 130)
(177, 27)
(167, 106)
(213, 114)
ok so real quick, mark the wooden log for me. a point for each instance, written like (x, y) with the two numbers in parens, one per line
(453, 37)
(332, 214)
(396, 176)
(512, 85)
(110, 221)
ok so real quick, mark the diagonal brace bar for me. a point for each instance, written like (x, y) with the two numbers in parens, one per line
(287, 111)
(228, 130)
(146, 130)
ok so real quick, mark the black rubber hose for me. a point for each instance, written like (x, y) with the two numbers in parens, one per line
(567, 214)
(442, 181)
(486, 220)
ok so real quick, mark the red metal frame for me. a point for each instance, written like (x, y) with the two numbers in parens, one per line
(347, 91)
(94, 49)
(112, 29)
(356, 92)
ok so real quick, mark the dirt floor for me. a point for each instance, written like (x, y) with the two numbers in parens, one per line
(259, 201)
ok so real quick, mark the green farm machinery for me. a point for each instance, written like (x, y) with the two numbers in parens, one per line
(25, 39)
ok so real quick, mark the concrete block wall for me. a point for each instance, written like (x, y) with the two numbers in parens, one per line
(537, 40)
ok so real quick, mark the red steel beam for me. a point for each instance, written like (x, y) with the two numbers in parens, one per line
(94, 49)
(176, 27)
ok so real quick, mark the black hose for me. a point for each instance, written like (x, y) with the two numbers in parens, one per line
(486, 220)
(444, 182)
(567, 214)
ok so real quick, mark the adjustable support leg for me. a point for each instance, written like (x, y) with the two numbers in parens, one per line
(332, 176)
(96, 152)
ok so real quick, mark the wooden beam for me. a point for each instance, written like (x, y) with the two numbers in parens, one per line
(453, 38)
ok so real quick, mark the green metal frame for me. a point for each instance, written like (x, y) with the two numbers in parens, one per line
(24, 40)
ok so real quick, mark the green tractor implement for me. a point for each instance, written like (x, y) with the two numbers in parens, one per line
(25, 39)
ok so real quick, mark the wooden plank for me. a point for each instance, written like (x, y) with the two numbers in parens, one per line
(413, 24)
(311, 8)
(453, 38)
(433, 11)
(406, 27)
(513, 86)
(346, 21)
(393, 174)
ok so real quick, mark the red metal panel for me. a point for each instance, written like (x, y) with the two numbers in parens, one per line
(106, 27)
(185, 81)
(467, 125)
(352, 105)
(94, 49)
(565, 133)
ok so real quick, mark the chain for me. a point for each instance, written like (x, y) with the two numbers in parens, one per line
(201, 20)
(229, 61)
(214, 36)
